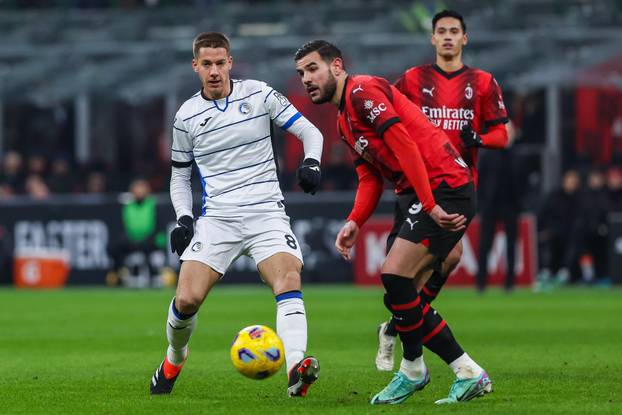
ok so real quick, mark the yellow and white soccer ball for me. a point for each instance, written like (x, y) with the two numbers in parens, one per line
(257, 352)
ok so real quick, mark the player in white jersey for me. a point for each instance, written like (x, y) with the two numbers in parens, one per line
(225, 130)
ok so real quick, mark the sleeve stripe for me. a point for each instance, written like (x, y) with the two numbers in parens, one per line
(179, 129)
(271, 91)
(181, 164)
(358, 162)
(291, 121)
(279, 114)
(181, 151)
(384, 127)
(503, 120)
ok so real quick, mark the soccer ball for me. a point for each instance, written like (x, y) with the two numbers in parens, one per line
(257, 352)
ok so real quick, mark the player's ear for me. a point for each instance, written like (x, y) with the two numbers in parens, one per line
(195, 65)
(337, 66)
(465, 39)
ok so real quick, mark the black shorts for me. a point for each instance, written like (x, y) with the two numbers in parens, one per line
(415, 225)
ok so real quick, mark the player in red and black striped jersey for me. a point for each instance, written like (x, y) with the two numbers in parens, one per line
(464, 102)
(394, 140)
(467, 104)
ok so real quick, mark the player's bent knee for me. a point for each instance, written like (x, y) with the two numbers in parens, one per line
(188, 303)
(290, 281)
(453, 259)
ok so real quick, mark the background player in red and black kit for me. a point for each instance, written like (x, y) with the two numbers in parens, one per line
(392, 139)
(468, 105)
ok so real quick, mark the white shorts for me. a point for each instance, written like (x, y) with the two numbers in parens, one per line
(219, 240)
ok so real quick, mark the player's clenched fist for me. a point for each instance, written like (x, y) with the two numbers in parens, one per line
(309, 175)
(182, 234)
(469, 137)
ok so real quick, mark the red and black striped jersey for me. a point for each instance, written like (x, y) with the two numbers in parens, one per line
(369, 106)
(451, 100)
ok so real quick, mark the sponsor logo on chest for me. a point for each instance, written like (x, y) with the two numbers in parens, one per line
(449, 118)
(374, 111)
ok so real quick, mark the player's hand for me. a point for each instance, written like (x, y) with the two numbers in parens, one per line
(346, 239)
(182, 234)
(309, 175)
(452, 222)
(469, 137)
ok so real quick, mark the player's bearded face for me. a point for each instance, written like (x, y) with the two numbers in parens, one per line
(448, 37)
(213, 66)
(326, 90)
(317, 78)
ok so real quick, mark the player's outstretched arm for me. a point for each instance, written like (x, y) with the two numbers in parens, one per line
(309, 174)
(368, 192)
(286, 116)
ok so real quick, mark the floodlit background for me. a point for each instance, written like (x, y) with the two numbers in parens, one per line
(88, 91)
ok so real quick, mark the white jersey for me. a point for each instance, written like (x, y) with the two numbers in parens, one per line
(230, 142)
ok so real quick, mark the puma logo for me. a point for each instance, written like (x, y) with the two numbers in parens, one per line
(411, 223)
(430, 91)
(205, 121)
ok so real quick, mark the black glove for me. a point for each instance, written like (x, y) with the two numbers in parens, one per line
(309, 175)
(469, 137)
(182, 234)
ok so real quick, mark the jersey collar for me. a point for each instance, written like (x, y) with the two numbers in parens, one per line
(449, 75)
(215, 101)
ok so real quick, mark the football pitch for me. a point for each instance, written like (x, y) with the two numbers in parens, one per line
(93, 351)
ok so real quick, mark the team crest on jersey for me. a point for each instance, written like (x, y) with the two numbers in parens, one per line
(245, 108)
(197, 247)
(468, 92)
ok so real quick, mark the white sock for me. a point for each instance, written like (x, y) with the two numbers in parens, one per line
(291, 326)
(178, 333)
(413, 369)
(464, 367)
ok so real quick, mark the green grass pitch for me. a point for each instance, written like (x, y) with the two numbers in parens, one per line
(94, 351)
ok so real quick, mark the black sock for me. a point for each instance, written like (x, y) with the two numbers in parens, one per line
(390, 330)
(433, 286)
(403, 301)
(437, 336)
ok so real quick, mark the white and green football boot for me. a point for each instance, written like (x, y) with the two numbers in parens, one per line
(399, 389)
(466, 389)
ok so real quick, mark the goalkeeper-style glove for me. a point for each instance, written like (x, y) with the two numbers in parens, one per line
(182, 234)
(469, 137)
(309, 175)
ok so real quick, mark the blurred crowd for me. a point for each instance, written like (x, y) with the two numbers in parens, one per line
(37, 176)
(573, 225)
